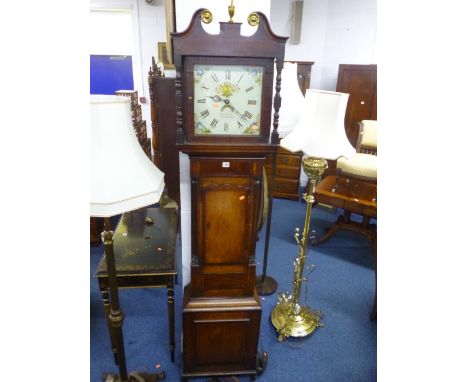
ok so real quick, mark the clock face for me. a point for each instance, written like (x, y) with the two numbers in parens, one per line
(227, 99)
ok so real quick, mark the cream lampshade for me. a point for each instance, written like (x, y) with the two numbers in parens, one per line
(292, 100)
(320, 132)
(123, 178)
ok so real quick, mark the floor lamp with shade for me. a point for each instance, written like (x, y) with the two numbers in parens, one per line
(123, 179)
(320, 135)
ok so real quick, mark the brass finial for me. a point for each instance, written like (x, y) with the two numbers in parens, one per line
(231, 10)
(206, 16)
(253, 19)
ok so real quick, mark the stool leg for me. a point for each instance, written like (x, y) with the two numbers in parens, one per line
(170, 306)
(106, 304)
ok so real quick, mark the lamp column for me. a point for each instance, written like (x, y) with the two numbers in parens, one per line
(289, 317)
(116, 316)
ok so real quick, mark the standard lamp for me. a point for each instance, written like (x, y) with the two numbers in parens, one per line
(123, 179)
(292, 103)
(320, 135)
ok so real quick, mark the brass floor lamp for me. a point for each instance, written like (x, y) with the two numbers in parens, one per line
(320, 135)
(123, 179)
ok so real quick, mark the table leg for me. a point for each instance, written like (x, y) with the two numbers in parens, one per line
(373, 244)
(330, 231)
(365, 221)
(366, 229)
(170, 306)
(347, 216)
(106, 304)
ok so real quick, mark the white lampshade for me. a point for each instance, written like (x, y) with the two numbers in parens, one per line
(123, 178)
(292, 100)
(320, 133)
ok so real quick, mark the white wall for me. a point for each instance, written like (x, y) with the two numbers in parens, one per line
(152, 21)
(111, 32)
(148, 25)
(313, 31)
(350, 38)
(333, 32)
(219, 9)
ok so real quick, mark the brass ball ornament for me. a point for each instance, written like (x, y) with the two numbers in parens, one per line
(206, 16)
(253, 19)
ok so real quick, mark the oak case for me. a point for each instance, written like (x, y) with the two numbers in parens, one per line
(221, 310)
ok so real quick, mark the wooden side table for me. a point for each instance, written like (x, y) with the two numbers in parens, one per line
(144, 258)
(353, 196)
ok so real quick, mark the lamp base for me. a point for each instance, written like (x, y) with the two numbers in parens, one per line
(135, 377)
(265, 287)
(290, 324)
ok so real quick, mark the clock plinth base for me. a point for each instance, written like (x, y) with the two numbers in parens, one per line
(220, 335)
(288, 323)
(266, 286)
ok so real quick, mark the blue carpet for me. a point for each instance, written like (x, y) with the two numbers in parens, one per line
(341, 286)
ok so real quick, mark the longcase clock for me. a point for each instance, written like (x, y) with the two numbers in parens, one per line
(224, 92)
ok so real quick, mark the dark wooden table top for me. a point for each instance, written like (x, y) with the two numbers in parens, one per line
(144, 249)
(359, 196)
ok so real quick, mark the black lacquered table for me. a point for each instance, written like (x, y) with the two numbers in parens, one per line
(145, 257)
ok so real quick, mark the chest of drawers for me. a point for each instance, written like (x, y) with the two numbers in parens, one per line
(288, 170)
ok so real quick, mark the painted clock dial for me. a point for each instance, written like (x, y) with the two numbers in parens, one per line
(227, 99)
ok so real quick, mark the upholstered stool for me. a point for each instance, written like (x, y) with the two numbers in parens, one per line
(363, 165)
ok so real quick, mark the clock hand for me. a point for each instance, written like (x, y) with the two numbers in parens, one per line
(235, 110)
(217, 98)
(227, 102)
(239, 114)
